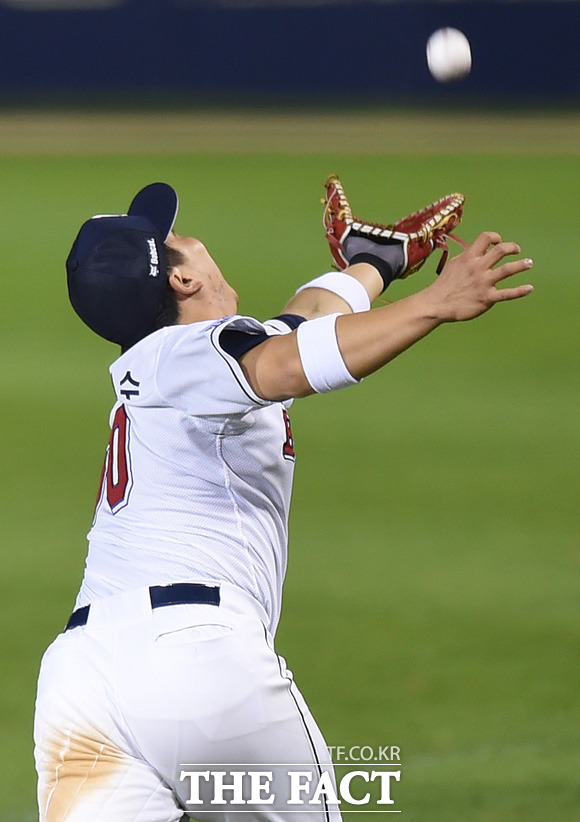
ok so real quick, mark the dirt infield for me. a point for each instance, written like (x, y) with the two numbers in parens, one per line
(236, 131)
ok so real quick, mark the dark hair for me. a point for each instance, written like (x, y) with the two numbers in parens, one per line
(169, 312)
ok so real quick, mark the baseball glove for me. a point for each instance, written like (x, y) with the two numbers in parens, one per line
(419, 234)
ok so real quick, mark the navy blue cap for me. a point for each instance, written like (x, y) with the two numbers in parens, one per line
(117, 267)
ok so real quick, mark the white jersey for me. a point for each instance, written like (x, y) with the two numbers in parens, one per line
(198, 473)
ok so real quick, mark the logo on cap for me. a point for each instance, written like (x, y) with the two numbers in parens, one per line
(153, 258)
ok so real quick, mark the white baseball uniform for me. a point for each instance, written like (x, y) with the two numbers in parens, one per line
(195, 490)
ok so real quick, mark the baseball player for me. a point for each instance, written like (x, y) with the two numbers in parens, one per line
(166, 671)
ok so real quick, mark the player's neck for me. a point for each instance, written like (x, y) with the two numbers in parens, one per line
(195, 311)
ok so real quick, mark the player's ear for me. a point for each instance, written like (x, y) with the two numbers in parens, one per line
(182, 283)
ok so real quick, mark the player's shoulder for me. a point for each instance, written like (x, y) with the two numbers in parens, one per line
(198, 340)
(194, 367)
(168, 337)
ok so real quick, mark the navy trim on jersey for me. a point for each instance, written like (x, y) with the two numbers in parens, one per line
(236, 342)
(228, 360)
(291, 320)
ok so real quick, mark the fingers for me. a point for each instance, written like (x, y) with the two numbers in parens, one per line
(504, 294)
(483, 242)
(509, 269)
(480, 262)
(490, 245)
(492, 249)
(497, 252)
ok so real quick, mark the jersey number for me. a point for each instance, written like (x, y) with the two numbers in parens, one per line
(288, 448)
(116, 479)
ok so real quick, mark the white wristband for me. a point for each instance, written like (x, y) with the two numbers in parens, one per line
(320, 355)
(343, 285)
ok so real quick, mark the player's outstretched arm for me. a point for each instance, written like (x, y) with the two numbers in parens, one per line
(466, 288)
(311, 302)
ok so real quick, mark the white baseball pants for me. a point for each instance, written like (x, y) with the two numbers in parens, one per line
(129, 702)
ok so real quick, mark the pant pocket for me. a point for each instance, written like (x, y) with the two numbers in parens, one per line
(192, 634)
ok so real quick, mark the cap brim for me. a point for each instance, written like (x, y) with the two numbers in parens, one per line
(158, 203)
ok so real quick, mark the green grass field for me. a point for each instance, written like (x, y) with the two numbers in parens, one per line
(432, 592)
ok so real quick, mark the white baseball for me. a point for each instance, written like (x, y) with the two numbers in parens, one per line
(448, 55)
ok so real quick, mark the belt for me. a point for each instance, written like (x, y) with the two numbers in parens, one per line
(180, 593)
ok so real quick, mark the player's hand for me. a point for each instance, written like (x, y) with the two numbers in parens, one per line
(467, 286)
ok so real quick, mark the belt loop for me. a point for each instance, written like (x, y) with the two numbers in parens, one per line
(184, 593)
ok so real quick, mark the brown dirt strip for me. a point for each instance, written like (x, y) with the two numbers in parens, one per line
(361, 132)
